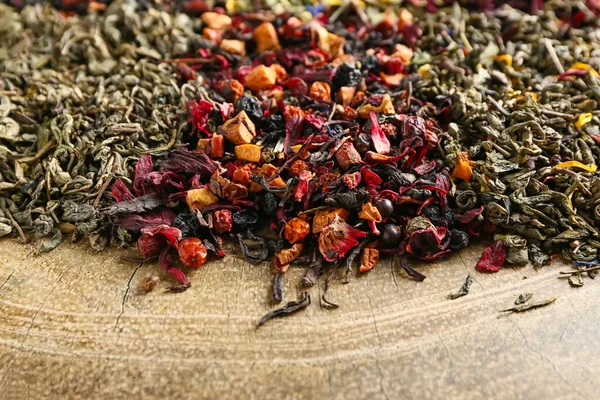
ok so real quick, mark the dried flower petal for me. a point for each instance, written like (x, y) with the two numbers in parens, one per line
(369, 259)
(370, 213)
(492, 258)
(380, 141)
(337, 238)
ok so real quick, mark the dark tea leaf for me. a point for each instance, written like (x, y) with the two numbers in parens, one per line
(290, 308)
(464, 290)
(523, 298)
(530, 306)
(277, 293)
(416, 275)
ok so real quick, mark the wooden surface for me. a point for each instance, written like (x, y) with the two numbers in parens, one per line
(73, 324)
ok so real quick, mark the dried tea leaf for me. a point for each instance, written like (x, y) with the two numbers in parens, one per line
(410, 271)
(530, 306)
(523, 298)
(464, 290)
(290, 308)
(576, 280)
(277, 293)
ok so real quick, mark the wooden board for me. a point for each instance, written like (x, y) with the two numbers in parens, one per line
(73, 324)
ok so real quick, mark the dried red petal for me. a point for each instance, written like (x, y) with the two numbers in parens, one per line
(142, 168)
(173, 235)
(492, 258)
(303, 185)
(166, 264)
(337, 238)
(380, 141)
(428, 244)
(135, 222)
(370, 177)
(200, 111)
(120, 191)
(150, 246)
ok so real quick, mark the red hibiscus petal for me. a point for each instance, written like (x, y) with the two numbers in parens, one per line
(492, 258)
(380, 141)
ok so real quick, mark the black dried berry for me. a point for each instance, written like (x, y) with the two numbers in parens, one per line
(251, 106)
(346, 75)
(244, 219)
(187, 224)
(270, 203)
(458, 240)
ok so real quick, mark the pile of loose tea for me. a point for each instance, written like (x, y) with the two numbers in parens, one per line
(323, 136)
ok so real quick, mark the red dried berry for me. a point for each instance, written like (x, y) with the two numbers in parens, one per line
(192, 252)
(297, 87)
(222, 221)
(150, 245)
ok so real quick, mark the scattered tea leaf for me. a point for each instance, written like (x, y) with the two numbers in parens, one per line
(277, 293)
(464, 290)
(289, 308)
(416, 275)
(523, 298)
(576, 280)
(531, 306)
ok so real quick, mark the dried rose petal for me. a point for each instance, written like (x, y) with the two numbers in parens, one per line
(337, 238)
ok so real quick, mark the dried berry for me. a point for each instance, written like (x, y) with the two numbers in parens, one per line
(148, 283)
(251, 106)
(384, 206)
(244, 219)
(390, 235)
(192, 252)
(346, 75)
(320, 91)
(222, 221)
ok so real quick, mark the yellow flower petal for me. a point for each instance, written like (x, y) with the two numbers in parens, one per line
(584, 67)
(576, 164)
(424, 71)
(583, 119)
(505, 58)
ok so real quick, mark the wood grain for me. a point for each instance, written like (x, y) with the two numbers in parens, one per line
(73, 324)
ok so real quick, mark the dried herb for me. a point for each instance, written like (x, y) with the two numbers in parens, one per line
(323, 133)
(277, 293)
(523, 298)
(464, 290)
(416, 275)
(530, 306)
(290, 308)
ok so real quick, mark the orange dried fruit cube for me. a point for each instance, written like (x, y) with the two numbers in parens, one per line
(266, 37)
(234, 46)
(200, 198)
(261, 78)
(248, 152)
(239, 130)
(215, 20)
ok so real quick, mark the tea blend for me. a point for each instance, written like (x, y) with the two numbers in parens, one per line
(322, 136)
